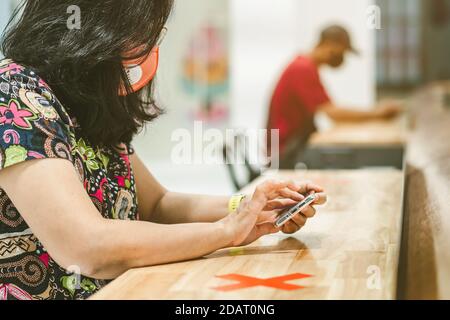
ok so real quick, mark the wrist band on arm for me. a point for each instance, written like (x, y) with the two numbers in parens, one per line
(235, 202)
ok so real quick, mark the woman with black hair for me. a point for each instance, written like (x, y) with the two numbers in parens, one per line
(77, 205)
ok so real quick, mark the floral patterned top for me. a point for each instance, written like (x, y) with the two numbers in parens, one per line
(34, 125)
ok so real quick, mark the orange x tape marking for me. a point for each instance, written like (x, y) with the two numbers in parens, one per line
(248, 282)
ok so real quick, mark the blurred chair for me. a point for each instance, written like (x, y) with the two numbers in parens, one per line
(235, 156)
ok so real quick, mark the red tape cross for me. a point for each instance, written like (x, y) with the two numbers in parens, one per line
(249, 282)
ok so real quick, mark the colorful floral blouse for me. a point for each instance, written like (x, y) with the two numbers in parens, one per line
(34, 125)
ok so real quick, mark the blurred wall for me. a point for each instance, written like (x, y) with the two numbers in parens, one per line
(5, 11)
(154, 145)
(436, 40)
(266, 36)
(187, 17)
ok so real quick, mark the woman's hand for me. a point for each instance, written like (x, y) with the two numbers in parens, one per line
(299, 220)
(256, 215)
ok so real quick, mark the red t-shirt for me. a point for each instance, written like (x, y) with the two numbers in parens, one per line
(297, 97)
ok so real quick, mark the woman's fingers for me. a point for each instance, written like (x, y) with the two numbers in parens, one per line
(290, 227)
(270, 190)
(278, 194)
(321, 198)
(286, 189)
(308, 212)
(280, 204)
(307, 187)
(267, 216)
(283, 203)
(295, 224)
(288, 193)
(256, 215)
(299, 220)
(265, 228)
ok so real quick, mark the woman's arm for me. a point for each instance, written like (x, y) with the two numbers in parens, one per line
(62, 216)
(156, 204)
(184, 208)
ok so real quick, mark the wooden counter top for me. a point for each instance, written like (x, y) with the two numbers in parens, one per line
(348, 251)
(366, 134)
(426, 242)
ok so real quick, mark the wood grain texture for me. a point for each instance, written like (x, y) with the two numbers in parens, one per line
(353, 240)
(426, 241)
(368, 134)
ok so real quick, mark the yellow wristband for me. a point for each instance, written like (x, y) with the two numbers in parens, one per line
(235, 202)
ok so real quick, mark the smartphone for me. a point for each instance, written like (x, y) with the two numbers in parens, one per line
(290, 213)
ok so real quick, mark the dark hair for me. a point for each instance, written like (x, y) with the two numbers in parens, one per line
(84, 66)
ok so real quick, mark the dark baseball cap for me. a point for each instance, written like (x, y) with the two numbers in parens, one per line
(337, 33)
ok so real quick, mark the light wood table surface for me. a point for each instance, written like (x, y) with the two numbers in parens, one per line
(369, 134)
(349, 250)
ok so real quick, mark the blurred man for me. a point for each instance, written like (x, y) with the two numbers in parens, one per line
(300, 94)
